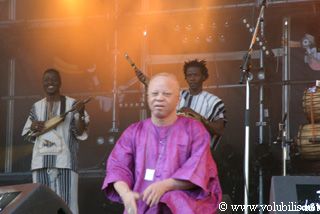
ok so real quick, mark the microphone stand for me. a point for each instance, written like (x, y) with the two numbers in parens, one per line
(282, 138)
(247, 76)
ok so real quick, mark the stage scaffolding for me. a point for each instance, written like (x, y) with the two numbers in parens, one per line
(147, 60)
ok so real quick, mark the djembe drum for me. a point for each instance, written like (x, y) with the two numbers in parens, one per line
(311, 104)
(307, 144)
(308, 141)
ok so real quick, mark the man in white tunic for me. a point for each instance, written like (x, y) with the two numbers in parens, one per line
(205, 106)
(54, 157)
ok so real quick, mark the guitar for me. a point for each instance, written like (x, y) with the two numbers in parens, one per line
(53, 122)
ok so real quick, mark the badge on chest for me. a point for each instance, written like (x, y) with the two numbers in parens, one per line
(149, 176)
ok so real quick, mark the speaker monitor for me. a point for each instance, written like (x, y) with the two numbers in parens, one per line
(31, 199)
(294, 194)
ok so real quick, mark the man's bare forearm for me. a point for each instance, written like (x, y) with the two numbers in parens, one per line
(121, 187)
(175, 184)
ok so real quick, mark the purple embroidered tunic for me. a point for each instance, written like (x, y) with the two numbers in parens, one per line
(179, 151)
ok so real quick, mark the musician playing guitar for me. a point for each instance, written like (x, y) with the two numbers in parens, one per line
(54, 156)
(195, 102)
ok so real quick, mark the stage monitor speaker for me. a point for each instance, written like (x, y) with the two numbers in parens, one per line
(294, 194)
(31, 199)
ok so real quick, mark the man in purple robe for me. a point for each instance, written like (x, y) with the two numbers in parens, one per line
(163, 164)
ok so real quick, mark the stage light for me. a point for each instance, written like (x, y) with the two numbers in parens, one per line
(100, 140)
(197, 39)
(188, 27)
(260, 41)
(213, 25)
(145, 33)
(185, 40)
(209, 39)
(267, 52)
(222, 38)
(226, 24)
(177, 28)
(111, 139)
(312, 56)
(201, 26)
(261, 75)
(307, 41)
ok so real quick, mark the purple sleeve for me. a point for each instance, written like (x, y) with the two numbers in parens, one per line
(200, 169)
(120, 165)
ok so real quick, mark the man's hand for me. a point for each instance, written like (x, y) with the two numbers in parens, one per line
(37, 126)
(128, 197)
(189, 111)
(129, 200)
(152, 194)
(79, 107)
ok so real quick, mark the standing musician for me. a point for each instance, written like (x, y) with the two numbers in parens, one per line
(194, 102)
(54, 156)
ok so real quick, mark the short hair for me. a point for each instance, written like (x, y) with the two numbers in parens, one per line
(52, 70)
(168, 75)
(196, 63)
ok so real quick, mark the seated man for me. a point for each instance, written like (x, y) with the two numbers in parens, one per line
(163, 164)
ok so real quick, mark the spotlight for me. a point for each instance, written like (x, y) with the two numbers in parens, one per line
(197, 39)
(100, 140)
(307, 41)
(260, 41)
(267, 52)
(213, 25)
(312, 56)
(209, 39)
(222, 38)
(177, 28)
(261, 75)
(185, 40)
(226, 24)
(111, 139)
(188, 27)
(201, 26)
(145, 33)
